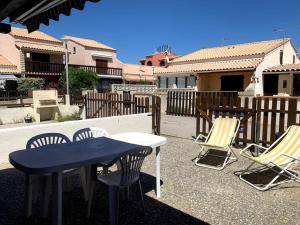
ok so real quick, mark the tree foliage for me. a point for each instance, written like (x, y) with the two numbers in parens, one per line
(78, 79)
(25, 84)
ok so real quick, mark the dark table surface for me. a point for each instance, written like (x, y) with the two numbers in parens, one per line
(56, 158)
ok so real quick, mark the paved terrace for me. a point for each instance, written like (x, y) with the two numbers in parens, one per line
(190, 195)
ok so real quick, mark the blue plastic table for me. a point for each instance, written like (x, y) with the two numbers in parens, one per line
(56, 158)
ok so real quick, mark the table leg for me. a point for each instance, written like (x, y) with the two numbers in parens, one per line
(57, 199)
(158, 172)
(28, 196)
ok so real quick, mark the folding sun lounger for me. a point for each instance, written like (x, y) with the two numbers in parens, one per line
(278, 157)
(220, 137)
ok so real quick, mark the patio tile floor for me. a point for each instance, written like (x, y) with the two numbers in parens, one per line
(190, 195)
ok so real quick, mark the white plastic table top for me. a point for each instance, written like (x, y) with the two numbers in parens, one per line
(137, 138)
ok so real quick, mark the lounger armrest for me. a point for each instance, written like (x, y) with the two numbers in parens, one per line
(200, 136)
(291, 157)
(251, 145)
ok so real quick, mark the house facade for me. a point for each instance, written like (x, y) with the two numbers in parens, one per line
(32, 55)
(95, 56)
(227, 68)
(158, 58)
(282, 80)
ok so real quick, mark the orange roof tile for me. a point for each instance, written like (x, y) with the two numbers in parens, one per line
(89, 43)
(135, 72)
(248, 49)
(36, 35)
(42, 47)
(284, 68)
(6, 66)
(244, 64)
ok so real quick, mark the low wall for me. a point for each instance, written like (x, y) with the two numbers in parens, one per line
(16, 115)
(12, 139)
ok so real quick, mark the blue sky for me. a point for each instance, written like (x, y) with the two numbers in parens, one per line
(136, 27)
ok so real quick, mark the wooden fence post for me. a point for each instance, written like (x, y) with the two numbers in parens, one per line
(292, 109)
(197, 107)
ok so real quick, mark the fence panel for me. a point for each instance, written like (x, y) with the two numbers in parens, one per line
(183, 103)
(263, 119)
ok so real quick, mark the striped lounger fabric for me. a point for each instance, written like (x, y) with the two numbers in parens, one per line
(281, 155)
(220, 137)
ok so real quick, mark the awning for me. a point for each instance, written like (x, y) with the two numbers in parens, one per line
(41, 47)
(101, 55)
(8, 77)
(32, 13)
(109, 76)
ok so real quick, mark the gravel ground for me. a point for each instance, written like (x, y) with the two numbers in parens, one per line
(190, 195)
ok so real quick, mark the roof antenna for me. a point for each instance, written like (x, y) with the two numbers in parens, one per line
(283, 31)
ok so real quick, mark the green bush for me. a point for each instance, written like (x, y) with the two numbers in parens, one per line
(25, 84)
(78, 79)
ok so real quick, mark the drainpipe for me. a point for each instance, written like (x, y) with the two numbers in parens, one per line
(67, 96)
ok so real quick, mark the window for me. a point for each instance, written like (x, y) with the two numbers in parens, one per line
(294, 59)
(191, 81)
(171, 82)
(162, 63)
(162, 82)
(284, 84)
(74, 50)
(281, 57)
(181, 82)
(149, 63)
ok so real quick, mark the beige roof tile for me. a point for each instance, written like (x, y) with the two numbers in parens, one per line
(89, 43)
(206, 67)
(284, 68)
(6, 66)
(41, 47)
(248, 49)
(36, 35)
(135, 72)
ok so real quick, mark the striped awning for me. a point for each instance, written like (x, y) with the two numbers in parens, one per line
(32, 13)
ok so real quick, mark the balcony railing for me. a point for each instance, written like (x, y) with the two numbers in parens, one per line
(44, 68)
(100, 70)
(57, 69)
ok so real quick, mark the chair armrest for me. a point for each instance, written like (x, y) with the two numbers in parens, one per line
(291, 157)
(256, 145)
(200, 136)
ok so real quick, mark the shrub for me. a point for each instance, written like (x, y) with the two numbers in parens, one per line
(25, 84)
(74, 116)
(78, 79)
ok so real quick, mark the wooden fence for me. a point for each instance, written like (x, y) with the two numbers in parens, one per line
(262, 118)
(183, 103)
(112, 104)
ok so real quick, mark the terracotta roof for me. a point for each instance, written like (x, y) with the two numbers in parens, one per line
(135, 72)
(248, 49)
(36, 35)
(284, 68)
(6, 66)
(206, 67)
(89, 43)
(41, 47)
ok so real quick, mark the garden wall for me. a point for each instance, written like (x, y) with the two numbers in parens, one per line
(12, 139)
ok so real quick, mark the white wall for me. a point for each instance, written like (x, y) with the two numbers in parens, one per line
(9, 50)
(273, 59)
(83, 56)
(12, 139)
